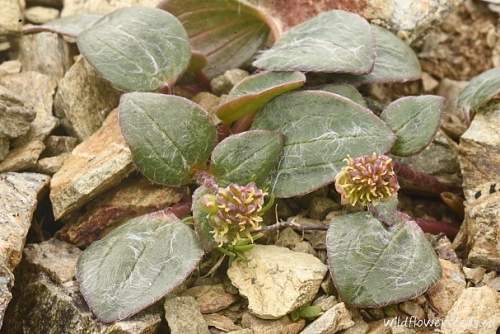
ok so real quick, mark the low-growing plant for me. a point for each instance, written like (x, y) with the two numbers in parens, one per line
(297, 141)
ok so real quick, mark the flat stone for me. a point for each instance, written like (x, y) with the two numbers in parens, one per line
(184, 317)
(11, 20)
(74, 7)
(335, 319)
(4, 147)
(133, 197)
(20, 195)
(475, 275)
(15, 116)
(476, 311)
(448, 289)
(10, 67)
(413, 309)
(84, 99)
(220, 322)
(211, 298)
(41, 15)
(55, 145)
(279, 326)
(479, 155)
(96, 165)
(51, 165)
(45, 52)
(276, 273)
(22, 158)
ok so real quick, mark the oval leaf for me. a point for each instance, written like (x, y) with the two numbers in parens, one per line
(253, 92)
(70, 26)
(137, 48)
(136, 264)
(247, 157)
(415, 121)
(321, 130)
(168, 135)
(227, 32)
(334, 41)
(480, 90)
(373, 265)
(344, 90)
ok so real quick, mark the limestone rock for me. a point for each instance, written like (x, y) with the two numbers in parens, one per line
(41, 15)
(55, 145)
(23, 158)
(275, 273)
(184, 317)
(51, 165)
(211, 298)
(448, 289)
(335, 319)
(20, 194)
(475, 275)
(133, 197)
(479, 155)
(4, 147)
(10, 67)
(279, 326)
(476, 311)
(220, 322)
(74, 7)
(45, 52)
(225, 82)
(15, 116)
(11, 20)
(96, 165)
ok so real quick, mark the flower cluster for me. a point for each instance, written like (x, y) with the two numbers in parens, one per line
(234, 212)
(366, 179)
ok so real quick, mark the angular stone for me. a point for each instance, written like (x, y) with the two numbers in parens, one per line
(45, 52)
(51, 165)
(11, 20)
(22, 158)
(211, 298)
(184, 317)
(413, 309)
(41, 15)
(133, 197)
(335, 319)
(279, 326)
(220, 322)
(19, 199)
(4, 147)
(15, 116)
(476, 311)
(276, 273)
(96, 165)
(55, 145)
(74, 7)
(475, 275)
(84, 99)
(448, 289)
(479, 156)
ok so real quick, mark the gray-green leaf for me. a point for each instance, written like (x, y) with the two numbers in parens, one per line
(169, 136)
(137, 48)
(415, 120)
(136, 264)
(247, 157)
(373, 265)
(334, 41)
(200, 217)
(253, 92)
(344, 90)
(480, 90)
(70, 26)
(321, 130)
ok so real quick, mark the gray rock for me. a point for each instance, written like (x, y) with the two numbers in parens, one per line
(335, 319)
(11, 20)
(84, 99)
(279, 326)
(41, 15)
(276, 273)
(15, 115)
(184, 317)
(225, 82)
(20, 194)
(51, 165)
(55, 145)
(22, 158)
(4, 147)
(74, 7)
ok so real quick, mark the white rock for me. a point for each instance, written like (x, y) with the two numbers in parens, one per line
(335, 319)
(11, 18)
(41, 15)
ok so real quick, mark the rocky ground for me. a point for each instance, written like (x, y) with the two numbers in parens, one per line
(67, 178)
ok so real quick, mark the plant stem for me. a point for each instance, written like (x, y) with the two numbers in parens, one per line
(243, 124)
(432, 226)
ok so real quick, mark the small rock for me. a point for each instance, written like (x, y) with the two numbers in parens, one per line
(51, 165)
(84, 110)
(10, 67)
(275, 273)
(494, 284)
(11, 20)
(242, 331)
(41, 15)
(23, 158)
(402, 330)
(413, 309)
(335, 319)
(475, 275)
(211, 298)
(75, 7)
(221, 322)
(428, 82)
(96, 165)
(279, 326)
(225, 82)
(55, 145)
(290, 239)
(184, 317)
(326, 302)
(360, 327)
(133, 197)
(448, 289)
(207, 100)
(444, 249)
(453, 120)
(15, 116)
(321, 206)
(4, 148)
(476, 311)
(20, 194)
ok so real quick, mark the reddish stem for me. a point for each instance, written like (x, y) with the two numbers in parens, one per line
(433, 226)
(183, 208)
(223, 131)
(243, 124)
